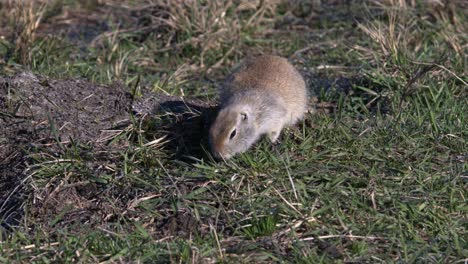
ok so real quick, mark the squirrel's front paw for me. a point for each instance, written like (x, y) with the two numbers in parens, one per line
(273, 136)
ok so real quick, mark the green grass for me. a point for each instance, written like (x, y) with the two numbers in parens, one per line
(382, 179)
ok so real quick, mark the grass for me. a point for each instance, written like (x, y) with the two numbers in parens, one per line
(380, 179)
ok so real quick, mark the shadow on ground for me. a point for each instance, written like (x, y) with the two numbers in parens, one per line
(183, 123)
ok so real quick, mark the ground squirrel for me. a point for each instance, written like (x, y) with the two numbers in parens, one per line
(261, 96)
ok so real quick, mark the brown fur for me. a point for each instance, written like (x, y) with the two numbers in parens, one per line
(267, 89)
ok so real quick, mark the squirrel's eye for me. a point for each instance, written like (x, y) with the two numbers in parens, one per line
(233, 134)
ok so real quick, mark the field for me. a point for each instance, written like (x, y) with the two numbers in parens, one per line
(105, 107)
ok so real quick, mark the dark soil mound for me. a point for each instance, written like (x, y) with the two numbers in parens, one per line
(39, 115)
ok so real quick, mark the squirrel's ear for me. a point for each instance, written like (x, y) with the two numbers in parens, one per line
(246, 113)
(244, 116)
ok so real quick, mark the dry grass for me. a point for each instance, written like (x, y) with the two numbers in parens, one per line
(209, 28)
(26, 16)
(402, 34)
(403, 42)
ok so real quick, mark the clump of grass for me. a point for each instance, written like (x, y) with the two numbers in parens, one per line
(261, 226)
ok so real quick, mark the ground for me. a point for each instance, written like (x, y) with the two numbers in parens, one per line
(105, 107)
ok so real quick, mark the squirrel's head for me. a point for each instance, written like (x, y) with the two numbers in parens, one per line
(233, 131)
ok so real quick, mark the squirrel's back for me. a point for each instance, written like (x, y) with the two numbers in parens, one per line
(272, 76)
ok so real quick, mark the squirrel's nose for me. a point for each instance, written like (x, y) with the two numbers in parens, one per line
(221, 156)
(216, 154)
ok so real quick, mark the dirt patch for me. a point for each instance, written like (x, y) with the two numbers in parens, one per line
(40, 117)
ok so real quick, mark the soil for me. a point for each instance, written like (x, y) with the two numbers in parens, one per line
(40, 116)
